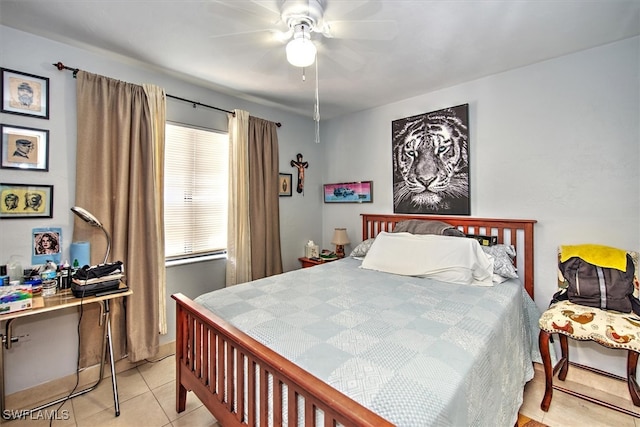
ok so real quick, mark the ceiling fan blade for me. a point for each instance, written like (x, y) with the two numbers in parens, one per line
(270, 5)
(271, 61)
(262, 10)
(233, 18)
(361, 30)
(341, 55)
(351, 9)
(264, 35)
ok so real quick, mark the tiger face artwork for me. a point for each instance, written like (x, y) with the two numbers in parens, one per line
(431, 162)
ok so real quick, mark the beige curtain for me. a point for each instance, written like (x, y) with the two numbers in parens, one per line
(117, 168)
(157, 105)
(238, 241)
(264, 201)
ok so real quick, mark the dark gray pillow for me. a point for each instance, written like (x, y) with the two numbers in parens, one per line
(420, 226)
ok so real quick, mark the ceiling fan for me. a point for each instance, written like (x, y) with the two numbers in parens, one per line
(304, 25)
(306, 17)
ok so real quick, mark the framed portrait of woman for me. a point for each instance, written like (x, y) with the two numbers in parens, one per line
(47, 245)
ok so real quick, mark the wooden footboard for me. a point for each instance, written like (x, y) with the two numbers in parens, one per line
(232, 375)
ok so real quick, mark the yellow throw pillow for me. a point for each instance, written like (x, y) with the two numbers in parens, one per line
(600, 255)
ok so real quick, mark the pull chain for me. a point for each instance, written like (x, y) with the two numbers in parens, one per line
(316, 111)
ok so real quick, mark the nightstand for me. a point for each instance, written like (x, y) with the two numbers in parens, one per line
(308, 262)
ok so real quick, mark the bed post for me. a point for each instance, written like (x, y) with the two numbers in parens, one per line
(181, 391)
(528, 258)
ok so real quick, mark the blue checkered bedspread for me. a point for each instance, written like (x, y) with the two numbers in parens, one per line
(416, 351)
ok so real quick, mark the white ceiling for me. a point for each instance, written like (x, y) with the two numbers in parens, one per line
(426, 45)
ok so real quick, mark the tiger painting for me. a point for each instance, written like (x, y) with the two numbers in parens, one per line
(431, 162)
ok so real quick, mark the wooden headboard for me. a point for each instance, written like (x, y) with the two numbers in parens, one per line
(516, 232)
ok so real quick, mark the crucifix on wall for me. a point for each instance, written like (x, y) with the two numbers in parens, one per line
(301, 166)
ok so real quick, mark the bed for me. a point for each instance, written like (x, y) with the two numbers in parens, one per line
(266, 353)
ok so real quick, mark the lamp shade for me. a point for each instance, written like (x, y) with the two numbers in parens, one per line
(301, 52)
(340, 237)
(86, 216)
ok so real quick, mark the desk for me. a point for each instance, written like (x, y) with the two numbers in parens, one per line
(64, 299)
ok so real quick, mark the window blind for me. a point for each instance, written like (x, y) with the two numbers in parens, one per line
(196, 186)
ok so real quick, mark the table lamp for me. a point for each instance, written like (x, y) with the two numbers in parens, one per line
(88, 217)
(340, 239)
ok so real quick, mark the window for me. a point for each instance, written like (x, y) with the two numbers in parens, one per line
(195, 191)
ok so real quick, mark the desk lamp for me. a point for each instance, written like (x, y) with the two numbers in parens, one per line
(340, 239)
(88, 217)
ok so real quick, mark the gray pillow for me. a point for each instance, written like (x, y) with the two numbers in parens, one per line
(420, 226)
(362, 249)
(503, 256)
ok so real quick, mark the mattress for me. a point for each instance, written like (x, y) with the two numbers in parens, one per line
(416, 351)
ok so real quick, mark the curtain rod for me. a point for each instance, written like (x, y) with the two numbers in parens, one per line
(60, 66)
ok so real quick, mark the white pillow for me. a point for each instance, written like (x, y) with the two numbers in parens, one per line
(444, 258)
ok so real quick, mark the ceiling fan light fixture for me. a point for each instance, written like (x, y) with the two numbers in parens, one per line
(301, 52)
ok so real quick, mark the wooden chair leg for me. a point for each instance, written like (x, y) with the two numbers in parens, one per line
(563, 364)
(543, 343)
(632, 383)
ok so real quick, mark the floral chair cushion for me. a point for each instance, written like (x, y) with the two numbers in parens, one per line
(606, 327)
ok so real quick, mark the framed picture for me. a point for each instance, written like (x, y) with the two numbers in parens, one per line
(430, 157)
(24, 94)
(46, 245)
(24, 148)
(26, 201)
(349, 192)
(284, 185)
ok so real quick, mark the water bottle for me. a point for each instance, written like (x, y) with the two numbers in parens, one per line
(49, 279)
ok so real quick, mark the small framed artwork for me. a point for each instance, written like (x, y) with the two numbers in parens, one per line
(349, 192)
(47, 245)
(284, 185)
(24, 94)
(25, 148)
(26, 201)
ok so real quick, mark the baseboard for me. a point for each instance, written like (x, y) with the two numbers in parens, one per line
(60, 387)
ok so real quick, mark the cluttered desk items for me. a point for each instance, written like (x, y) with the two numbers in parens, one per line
(100, 278)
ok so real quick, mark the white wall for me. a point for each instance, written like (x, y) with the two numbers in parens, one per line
(50, 350)
(558, 142)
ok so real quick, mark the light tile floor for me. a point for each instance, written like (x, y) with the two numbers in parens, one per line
(147, 399)
(569, 411)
